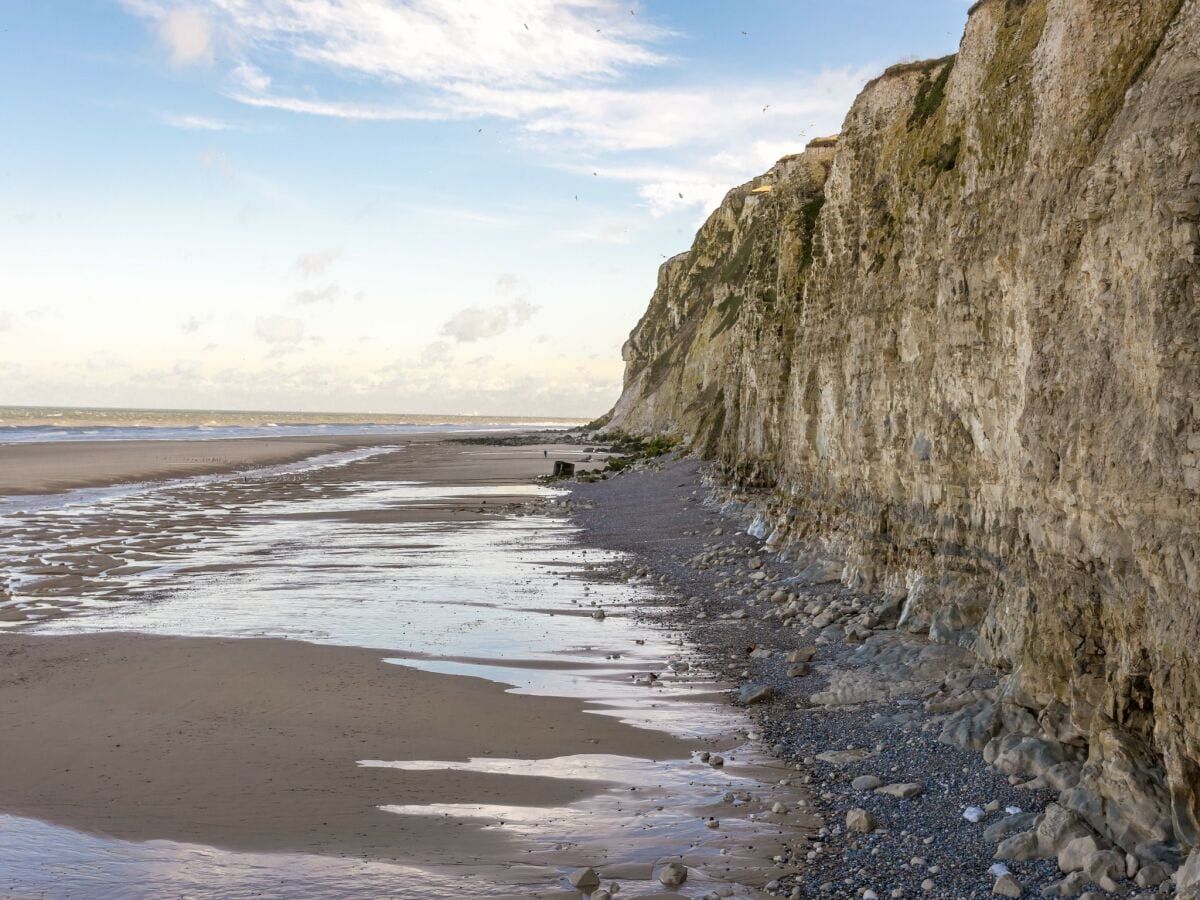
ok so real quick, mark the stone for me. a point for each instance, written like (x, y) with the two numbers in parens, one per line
(1077, 853)
(755, 693)
(858, 819)
(865, 783)
(1057, 827)
(798, 671)
(803, 655)
(1021, 846)
(1187, 879)
(1007, 886)
(1009, 826)
(601, 895)
(905, 791)
(843, 757)
(1151, 875)
(673, 874)
(1105, 864)
(585, 879)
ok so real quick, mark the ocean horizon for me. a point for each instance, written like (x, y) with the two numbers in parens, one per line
(33, 424)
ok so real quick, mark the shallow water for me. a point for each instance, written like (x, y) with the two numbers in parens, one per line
(510, 599)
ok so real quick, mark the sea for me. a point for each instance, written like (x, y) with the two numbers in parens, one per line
(39, 424)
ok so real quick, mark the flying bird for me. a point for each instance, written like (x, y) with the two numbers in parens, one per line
(680, 195)
(765, 108)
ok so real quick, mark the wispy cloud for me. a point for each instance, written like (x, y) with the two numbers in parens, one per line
(6, 321)
(314, 263)
(284, 331)
(324, 294)
(477, 323)
(189, 122)
(559, 72)
(192, 324)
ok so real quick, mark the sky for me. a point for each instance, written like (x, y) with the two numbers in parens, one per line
(421, 206)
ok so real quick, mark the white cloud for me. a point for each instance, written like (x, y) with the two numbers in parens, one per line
(192, 324)
(187, 33)
(6, 321)
(477, 323)
(324, 294)
(554, 70)
(279, 330)
(443, 41)
(314, 263)
(189, 122)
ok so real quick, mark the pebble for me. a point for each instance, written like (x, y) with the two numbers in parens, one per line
(865, 783)
(673, 874)
(973, 813)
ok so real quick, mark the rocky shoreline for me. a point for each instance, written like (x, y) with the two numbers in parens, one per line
(885, 725)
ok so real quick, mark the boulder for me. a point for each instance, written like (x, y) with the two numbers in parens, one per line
(858, 819)
(1077, 854)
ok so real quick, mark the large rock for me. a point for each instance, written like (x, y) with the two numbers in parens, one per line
(755, 693)
(858, 819)
(962, 341)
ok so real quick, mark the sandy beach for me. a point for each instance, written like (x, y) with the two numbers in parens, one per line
(386, 653)
(253, 744)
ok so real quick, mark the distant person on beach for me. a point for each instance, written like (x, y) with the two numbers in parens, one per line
(546, 454)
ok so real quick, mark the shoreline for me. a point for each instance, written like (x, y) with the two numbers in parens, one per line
(854, 708)
(52, 467)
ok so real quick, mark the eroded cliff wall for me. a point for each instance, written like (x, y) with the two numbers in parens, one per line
(961, 344)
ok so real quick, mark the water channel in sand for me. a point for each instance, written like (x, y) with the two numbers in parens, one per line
(310, 552)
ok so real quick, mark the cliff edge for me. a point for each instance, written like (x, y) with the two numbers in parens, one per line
(959, 347)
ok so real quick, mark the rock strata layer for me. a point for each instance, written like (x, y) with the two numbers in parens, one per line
(957, 349)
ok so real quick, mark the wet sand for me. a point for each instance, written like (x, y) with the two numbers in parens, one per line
(254, 744)
(249, 714)
(49, 467)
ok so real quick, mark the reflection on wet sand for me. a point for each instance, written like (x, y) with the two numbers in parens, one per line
(477, 578)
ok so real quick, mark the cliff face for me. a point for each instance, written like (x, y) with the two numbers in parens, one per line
(961, 344)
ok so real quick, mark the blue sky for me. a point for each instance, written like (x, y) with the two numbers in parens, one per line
(386, 205)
